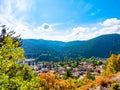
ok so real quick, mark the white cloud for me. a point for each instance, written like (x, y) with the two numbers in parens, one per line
(111, 21)
(15, 6)
(80, 33)
(44, 27)
(109, 26)
(13, 13)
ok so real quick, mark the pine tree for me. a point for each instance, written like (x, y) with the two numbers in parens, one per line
(5, 32)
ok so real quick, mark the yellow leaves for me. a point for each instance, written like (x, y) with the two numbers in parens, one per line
(10, 50)
(113, 65)
(13, 75)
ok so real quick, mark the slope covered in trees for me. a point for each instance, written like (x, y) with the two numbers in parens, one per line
(99, 47)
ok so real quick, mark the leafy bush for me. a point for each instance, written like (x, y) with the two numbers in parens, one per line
(115, 86)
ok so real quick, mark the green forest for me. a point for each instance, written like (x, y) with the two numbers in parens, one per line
(48, 50)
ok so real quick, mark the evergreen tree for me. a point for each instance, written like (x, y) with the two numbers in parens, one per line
(90, 76)
(68, 74)
(5, 32)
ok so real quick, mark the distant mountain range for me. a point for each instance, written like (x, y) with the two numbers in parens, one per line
(55, 50)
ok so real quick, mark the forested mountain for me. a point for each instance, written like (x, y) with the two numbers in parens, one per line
(55, 50)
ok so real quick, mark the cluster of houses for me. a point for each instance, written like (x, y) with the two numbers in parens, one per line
(80, 71)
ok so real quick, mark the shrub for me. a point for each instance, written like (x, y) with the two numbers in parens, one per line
(115, 86)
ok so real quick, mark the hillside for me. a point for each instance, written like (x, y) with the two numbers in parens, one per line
(56, 50)
(98, 47)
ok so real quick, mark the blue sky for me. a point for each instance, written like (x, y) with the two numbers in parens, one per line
(63, 20)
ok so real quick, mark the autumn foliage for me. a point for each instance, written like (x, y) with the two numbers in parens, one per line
(50, 81)
(113, 65)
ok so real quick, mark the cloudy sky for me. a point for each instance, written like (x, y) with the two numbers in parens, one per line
(63, 20)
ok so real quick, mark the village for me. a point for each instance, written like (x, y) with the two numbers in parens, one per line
(80, 70)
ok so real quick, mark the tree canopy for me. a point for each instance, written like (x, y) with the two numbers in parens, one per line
(113, 64)
(13, 75)
(5, 32)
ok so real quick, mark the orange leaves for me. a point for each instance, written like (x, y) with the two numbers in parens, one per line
(47, 76)
(47, 80)
(104, 81)
(50, 81)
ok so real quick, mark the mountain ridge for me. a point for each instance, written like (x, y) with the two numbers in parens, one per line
(99, 46)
